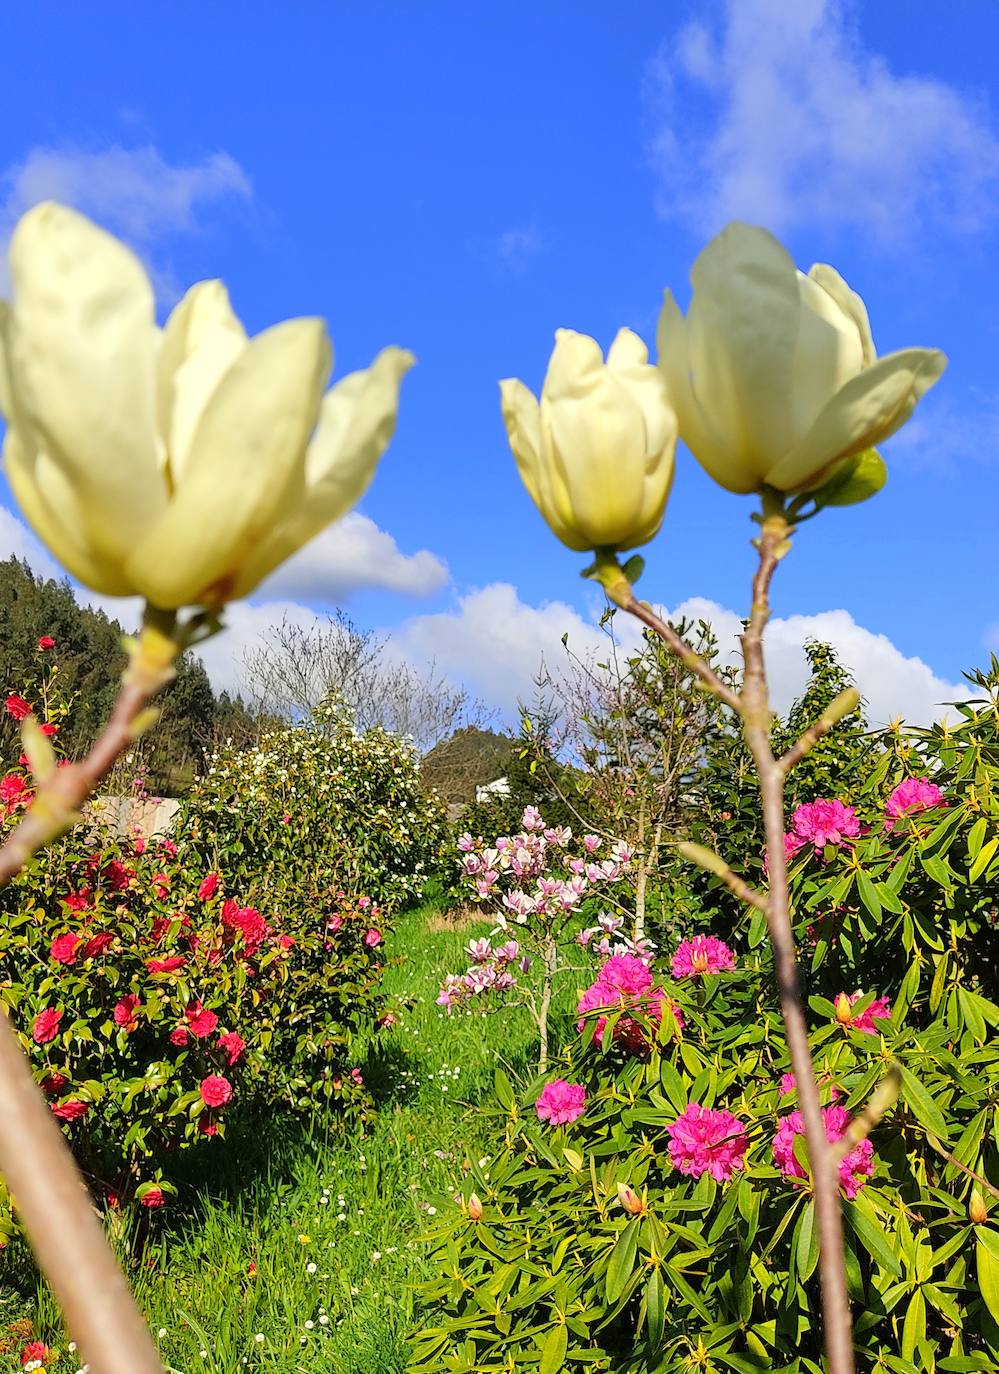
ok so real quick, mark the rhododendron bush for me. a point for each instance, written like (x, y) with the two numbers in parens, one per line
(310, 810)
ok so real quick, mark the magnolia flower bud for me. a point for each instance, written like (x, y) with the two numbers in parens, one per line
(629, 1200)
(475, 1207)
(977, 1210)
(597, 454)
(773, 374)
(183, 464)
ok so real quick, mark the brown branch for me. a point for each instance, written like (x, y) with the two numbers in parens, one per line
(48, 1191)
(713, 863)
(951, 1159)
(644, 612)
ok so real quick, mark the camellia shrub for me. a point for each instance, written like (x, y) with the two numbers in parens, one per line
(648, 1206)
(312, 810)
(154, 1000)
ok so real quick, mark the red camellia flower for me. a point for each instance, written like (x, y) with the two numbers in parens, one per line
(209, 886)
(216, 1091)
(53, 1084)
(178, 1036)
(234, 1046)
(78, 901)
(14, 792)
(63, 948)
(207, 1127)
(124, 1012)
(73, 1110)
(170, 965)
(200, 1020)
(34, 1350)
(153, 1198)
(47, 728)
(99, 944)
(46, 642)
(286, 941)
(46, 1026)
(17, 706)
(118, 875)
(161, 884)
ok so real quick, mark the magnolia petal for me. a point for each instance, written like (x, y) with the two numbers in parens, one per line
(357, 420)
(827, 353)
(849, 302)
(868, 409)
(201, 340)
(245, 472)
(80, 344)
(628, 351)
(742, 327)
(48, 503)
(522, 418)
(715, 454)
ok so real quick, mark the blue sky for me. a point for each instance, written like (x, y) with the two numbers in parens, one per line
(462, 180)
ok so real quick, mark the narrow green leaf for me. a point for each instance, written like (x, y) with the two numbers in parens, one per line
(925, 1110)
(553, 1350)
(622, 1261)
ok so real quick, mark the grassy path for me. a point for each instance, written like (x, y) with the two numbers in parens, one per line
(331, 1224)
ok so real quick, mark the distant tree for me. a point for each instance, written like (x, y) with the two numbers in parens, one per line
(468, 759)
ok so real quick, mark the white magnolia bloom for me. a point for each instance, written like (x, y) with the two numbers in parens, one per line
(597, 453)
(774, 374)
(181, 464)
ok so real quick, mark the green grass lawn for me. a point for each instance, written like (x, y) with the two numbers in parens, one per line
(332, 1223)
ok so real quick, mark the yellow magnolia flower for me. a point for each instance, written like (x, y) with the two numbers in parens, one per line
(183, 464)
(773, 374)
(597, 453)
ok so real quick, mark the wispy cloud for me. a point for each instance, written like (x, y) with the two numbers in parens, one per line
(515, 248)
(950, 435)
(776, 113)
(134, 192)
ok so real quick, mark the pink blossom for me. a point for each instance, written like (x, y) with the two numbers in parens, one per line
(465, 843)
(911, 796)
(787, 1084)
(560, 1102)
(479, 951)
(626, 975)
(702, 954)
(531, 819)
(705, 1141)
(64, 948)
(591, 843)
(372, 938)
(823, 822)
(854, 1169)
(209, 886)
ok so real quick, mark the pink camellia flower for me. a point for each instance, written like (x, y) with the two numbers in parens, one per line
(334, 923)
(854, 1169)
(124, 1012)
(879, 1010)
(64, 948)
(215, 1090)
(823, 822)
(372, 938)
(152, 1197)
(46, 1026)
(178, 1036)
(208, 886)
(909, 797)
(78, 901)
(705, 1141)
(46, 642)
(702, 954)
(201, 1022)
(560, 1102)
(357, 1077)
(17, 706)
(73, 1110)
(234, 1046)
(161, 884)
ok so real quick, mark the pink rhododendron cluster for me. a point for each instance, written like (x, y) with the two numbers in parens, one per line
(854, 1169)
(910, 797)
(561, 1103)
(879, 1010)
(820, 823)
(625, 984)
(702, 954)
(707, 1141)
(490, 970)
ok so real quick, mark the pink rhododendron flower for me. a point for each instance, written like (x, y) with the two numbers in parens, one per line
(63, 948)
(628, 976)
(823, 822)
(787, 1084)
(909, 797)
(124, 1012)
(560, 1102)
(46, 1026)
(702, 954)
(234, 1046)
(208, 886)
(372, 938)
(215, 1090)
(879, 1010)
(705, 1141)
(854, 1169)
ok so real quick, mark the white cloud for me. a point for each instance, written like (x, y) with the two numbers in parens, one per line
(950, 436)
(134, 192)
(355, 553)
(494, 643)
(516, 247)
(803, 126)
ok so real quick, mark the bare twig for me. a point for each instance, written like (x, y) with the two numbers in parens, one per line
(838, 708)
(48, 1191)
(644, 612)
(951, 1159)
(714, 863)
